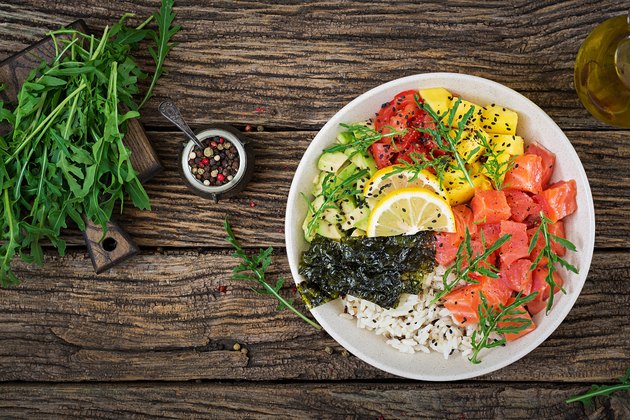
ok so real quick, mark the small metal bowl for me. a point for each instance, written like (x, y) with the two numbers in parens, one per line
(245, 169)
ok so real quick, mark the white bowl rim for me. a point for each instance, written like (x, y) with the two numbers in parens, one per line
(559, 312)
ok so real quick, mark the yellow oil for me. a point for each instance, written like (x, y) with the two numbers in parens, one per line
(602, 72)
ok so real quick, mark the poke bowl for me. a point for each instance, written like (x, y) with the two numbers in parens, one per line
(418, 333)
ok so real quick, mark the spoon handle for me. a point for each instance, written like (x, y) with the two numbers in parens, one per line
(171, 113)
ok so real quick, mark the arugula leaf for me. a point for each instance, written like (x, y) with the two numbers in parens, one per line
(442, 132)
(598, 390)
(491, 317)
(363, 137)
(551, 257)
(333, 190)
(469, 262)
(162, 39)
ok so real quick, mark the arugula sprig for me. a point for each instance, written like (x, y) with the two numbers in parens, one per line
(490, 318)
(364, 136)
(419, 163)
(495, 168)
(552, 258)
(162, 39)
(333, 190)
(468, 262)
(442, 133)
(257, 265)
(602, 390)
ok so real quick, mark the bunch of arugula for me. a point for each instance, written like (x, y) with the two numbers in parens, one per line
(65, 157)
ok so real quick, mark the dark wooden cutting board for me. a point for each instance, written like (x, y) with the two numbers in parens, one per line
(117, 244)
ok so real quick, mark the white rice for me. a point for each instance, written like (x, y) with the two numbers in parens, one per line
(414, 325)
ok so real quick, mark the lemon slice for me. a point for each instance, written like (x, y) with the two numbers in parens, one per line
(407, 211)
(380, 184)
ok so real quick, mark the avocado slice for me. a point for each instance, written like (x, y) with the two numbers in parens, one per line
(331, 161)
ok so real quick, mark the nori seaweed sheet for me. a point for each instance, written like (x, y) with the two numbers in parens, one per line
(376, 269)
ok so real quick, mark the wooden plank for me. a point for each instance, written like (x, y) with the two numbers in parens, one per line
(302, 62)
(331, 400)
(166, 317)
(181, 219)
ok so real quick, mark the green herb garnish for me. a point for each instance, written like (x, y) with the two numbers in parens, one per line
(552, 258)
(468, 262)
(65, 157)
(257, 265)
(333, 191)
(364, 137)
(162, 39)
(442, 133)
(419, 163)
(599, 390)
(489, 319)
(495, 169)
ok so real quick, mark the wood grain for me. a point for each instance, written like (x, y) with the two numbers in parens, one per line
(334, 400)
(165, 317)
(109, 250)
(181, 219)
(303, 61)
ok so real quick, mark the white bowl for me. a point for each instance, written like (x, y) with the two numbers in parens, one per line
(534, 126)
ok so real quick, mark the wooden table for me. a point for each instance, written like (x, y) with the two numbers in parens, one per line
(154, 336)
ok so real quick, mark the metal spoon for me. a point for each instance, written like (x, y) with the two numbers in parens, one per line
(171, 113)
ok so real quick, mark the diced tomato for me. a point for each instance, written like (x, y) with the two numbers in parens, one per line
(526, 174)
(403, 113)
(525, 314)
(559, 200)
(392, 114)
(518, 277)
(383, 154)
(408, 153)
(556, 229)
(548, 161)
(542, 287)
(521, 205)
(463, 303)
(517, 246)
(490, 206)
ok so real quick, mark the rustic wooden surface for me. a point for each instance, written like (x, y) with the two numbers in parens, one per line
(154, 336)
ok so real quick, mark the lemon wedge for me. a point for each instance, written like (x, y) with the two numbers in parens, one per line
(407, 211)
(381, 184)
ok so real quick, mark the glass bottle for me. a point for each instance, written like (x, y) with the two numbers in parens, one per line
(602, 72)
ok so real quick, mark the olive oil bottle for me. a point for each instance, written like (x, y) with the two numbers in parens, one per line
(602, 72)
